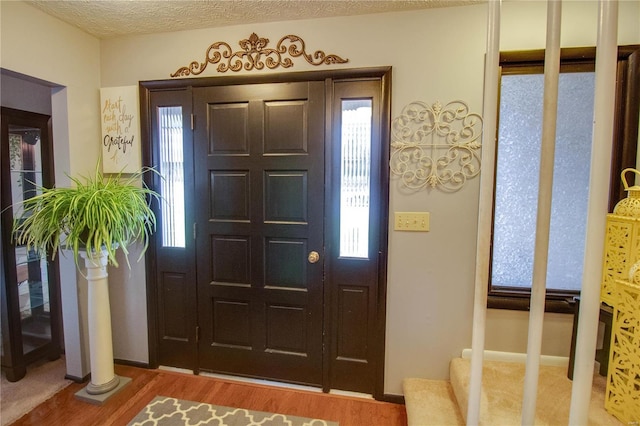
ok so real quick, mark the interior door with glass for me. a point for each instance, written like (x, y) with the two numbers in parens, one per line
(30, 328)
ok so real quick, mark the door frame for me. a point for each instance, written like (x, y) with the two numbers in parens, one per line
(380, 73)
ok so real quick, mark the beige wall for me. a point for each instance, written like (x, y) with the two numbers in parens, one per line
(40, 46)
(37, 45)
(430, 275)
(436, 55)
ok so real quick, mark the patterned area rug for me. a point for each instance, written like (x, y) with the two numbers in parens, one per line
(165, 411)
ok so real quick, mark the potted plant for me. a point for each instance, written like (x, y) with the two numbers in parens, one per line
(92, 219)
(99, 213)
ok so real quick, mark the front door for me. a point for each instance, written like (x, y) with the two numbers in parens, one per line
(270, 256)
(259, 210)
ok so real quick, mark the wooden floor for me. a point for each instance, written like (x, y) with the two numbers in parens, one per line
(65, 409)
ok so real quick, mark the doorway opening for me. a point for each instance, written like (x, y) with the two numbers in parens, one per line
(270, 256)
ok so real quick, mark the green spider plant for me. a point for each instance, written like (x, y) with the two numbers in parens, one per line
(99, 212)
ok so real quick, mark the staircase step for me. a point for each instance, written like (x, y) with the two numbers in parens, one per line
(430, 403)
(502, 390)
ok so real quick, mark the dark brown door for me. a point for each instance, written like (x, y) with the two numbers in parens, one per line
(268, 172)
(259, 185)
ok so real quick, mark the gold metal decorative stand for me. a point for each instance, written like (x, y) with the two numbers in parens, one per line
(621, 290)
(622, 398)
(622, 241)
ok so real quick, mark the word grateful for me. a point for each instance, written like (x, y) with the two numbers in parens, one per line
(119, 142)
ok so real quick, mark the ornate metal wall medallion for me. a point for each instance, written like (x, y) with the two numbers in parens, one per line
(435, 146)
(256, 55)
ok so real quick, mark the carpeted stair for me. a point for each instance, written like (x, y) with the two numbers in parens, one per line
(501, 399)
(430, 402)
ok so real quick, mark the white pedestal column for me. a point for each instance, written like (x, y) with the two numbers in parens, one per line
(103, 378)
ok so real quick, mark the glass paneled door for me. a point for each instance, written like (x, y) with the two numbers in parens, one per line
(29, 322)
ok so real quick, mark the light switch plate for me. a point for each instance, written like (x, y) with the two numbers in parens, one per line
(411, 221)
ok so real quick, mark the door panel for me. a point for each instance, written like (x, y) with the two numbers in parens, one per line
(259, 167)
(358, 188)
(173, 246)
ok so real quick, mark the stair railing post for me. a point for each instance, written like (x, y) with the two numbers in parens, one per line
(543, 221)
(485, 208)
(603, 116)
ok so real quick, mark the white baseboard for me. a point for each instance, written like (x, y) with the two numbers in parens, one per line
(555, 361)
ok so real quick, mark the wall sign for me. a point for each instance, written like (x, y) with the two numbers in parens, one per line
(120, 118)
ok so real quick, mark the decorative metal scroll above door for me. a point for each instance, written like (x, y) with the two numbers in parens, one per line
(256, 55)
(435, 146)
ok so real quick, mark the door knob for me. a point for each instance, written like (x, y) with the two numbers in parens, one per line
(313, 257)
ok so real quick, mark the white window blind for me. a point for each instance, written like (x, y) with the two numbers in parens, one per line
(172, 171)
(355, 178)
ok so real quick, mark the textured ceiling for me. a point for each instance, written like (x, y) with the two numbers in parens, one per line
(113, 18)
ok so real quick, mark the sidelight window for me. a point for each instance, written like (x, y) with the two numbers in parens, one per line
(172, 171)
(355, 178)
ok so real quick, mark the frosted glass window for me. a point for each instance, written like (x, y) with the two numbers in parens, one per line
(172, 171)
(355, 178)
(517, 177)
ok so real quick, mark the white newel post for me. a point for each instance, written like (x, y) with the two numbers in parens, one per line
(485, 209)
(103, 378)
(543, 222)
(603, 124)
